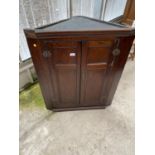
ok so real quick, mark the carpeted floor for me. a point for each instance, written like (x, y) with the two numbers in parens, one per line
(91, 132)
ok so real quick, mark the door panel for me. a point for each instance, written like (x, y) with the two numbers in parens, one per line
(96, 57)
(66, 80)
(64, 66)
(93, 86)
(62, 55)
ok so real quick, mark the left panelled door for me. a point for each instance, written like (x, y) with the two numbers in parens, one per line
(62, 59)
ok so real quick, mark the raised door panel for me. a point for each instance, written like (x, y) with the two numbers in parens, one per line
(96, 57)
(64, 65)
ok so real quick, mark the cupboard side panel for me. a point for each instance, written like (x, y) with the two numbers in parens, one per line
(42, 72)
(114, 74)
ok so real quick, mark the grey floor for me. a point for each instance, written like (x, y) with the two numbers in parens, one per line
(90, 132)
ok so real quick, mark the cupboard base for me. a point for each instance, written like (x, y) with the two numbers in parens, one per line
(77, 108)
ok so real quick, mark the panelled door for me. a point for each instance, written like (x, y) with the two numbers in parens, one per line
(78, 71)
(96, 59)
(63, 61)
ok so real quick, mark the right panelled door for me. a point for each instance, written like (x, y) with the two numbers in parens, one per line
(96, 62)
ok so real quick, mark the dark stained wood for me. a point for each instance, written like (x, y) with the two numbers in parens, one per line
(79, 108)
(129, 13)
(79, 69)
(116, 68)
(95, 60)
(64, 66)
(42, 72)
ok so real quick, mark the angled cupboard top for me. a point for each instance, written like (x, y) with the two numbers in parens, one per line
(80, 24)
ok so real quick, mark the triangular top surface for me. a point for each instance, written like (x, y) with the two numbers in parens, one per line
(79, 23)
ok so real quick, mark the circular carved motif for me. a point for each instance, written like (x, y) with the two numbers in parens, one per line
(46, 54)
(116, 52)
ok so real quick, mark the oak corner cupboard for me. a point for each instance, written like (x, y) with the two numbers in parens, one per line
(79, 61)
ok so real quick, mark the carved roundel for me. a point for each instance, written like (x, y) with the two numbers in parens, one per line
(116, 52)
(46, 53)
